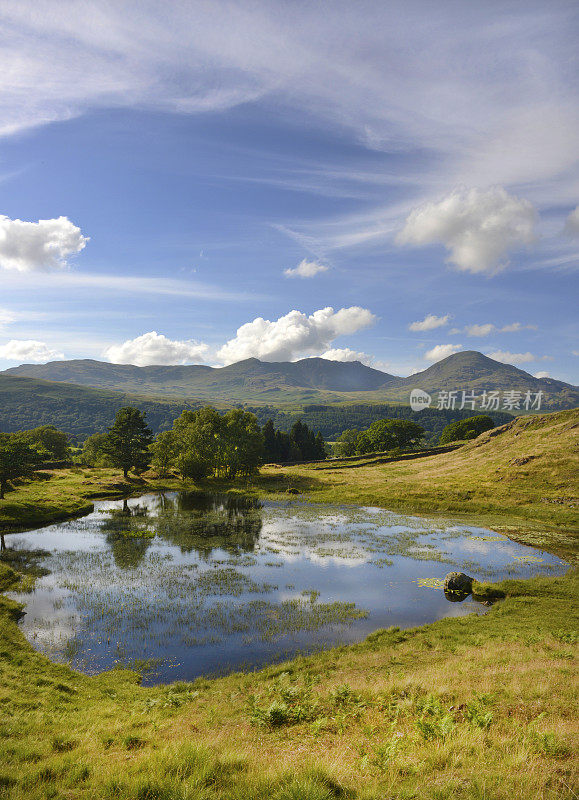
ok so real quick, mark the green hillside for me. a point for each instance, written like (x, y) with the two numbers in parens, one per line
(80, 410)
(311, 380)
(26, 403)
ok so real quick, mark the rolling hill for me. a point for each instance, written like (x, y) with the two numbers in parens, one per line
(311, 380)
(81, 410)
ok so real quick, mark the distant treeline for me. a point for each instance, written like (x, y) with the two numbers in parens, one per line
(332, 421)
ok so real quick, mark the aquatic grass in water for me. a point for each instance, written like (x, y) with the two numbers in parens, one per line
(205, 584)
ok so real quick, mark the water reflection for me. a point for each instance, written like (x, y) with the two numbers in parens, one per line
(209, 522)
(209, 583)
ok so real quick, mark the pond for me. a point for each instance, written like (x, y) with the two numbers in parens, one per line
(182, 585)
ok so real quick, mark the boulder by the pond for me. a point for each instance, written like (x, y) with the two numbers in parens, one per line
(458, 582)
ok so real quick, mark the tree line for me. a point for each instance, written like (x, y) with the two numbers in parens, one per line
(200, 444)
(383, 434)
(398, 434)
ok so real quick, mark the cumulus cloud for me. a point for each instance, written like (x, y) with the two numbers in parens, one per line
(572, 223)
(512, 358)
(477, 227)
(42, 245)
(429, 323)
(154, 348)
(29, 351)
(306, 269)
(542, 375)
(441, 351)
(294, 335)
(480, 330)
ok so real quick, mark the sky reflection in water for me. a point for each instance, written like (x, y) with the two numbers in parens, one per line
(207, 584)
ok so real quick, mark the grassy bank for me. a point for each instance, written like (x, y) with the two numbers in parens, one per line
(517, 479)
(59, 494)
(472, 708)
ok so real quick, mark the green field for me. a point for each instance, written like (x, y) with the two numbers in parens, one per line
(475, 708)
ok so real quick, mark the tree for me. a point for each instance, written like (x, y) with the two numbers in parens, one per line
(466, 429)
(243, 443)
(128, 441)
(17, 460)
(48, 441)
(164, 450)
(345, 444)
(270, 450)
(95, 451)
(405, 434)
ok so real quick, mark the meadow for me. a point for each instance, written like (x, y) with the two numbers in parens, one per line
(477, 707)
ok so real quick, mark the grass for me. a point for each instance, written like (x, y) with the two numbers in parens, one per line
(473, 708)
(515, 479)
(59, 494)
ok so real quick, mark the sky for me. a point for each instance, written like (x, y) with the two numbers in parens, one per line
(203, 182)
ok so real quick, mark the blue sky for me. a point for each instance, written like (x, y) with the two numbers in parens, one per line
(204, 182)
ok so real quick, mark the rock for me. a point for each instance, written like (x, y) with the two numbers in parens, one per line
(458, 582)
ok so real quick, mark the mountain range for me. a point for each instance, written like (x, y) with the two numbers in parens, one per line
(309, 380)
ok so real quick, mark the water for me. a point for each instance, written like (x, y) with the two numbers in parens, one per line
(203, 585)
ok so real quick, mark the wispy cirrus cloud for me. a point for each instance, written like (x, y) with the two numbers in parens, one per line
(477, 112)
(129, 284)
(488, 328)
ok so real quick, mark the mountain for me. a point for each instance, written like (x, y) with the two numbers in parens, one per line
(311, 380)
(472, 370)
(250, 375)
(80, 410)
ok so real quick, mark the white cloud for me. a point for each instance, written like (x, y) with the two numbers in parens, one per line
(46, 244)
(512, 358)
(477, 227)
(429, 323)
(480, 330)
(347, 354)
(542, 375)
(306, 269)
(441, 351)
(154, 348)
(513, 327)
(572, 223)
(294, 335)
(127, 284)
(486, 114)
(487, 328)
(29, 351)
